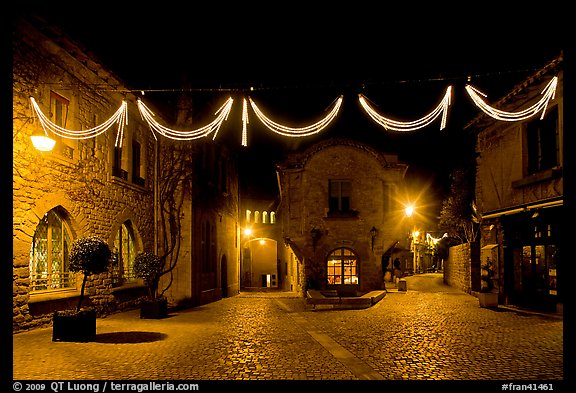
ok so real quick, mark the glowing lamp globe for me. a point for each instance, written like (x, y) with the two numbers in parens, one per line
(42, 142)
(409, 211)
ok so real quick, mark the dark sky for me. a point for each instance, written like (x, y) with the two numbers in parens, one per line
(299, 60)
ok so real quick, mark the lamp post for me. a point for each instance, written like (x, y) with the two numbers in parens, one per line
(415, 236)
(409, 211)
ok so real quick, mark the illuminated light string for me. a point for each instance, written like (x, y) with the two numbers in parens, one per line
(298, 131)
(120, 118)
(547, 93)
(435, 240)
(389, 124)
(244, 123)
(212, 127)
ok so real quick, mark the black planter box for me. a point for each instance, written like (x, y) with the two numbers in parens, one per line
(154, 309)
(79, 327)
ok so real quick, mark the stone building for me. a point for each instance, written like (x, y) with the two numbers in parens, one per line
(340, 214)
(92, 186)
(209, 260)
(519, 193)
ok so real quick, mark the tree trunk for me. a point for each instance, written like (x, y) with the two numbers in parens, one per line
(82, 293)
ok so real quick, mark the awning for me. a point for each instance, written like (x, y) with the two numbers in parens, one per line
(525, 208)
(489, 246)
(295, 249)
(390, 250)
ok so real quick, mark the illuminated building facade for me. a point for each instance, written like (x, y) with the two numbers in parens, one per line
(340, 213)
(519, 193)
(95, 186)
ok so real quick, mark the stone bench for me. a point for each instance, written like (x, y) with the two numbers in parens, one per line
(329, 300)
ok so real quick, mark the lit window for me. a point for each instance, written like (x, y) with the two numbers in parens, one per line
(272, 217)
(256, 216)
(264, 217)
(124, 245)
(49, 254)
(342, 267)
(248, 215)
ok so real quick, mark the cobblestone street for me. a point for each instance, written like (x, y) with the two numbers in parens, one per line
(430, 332)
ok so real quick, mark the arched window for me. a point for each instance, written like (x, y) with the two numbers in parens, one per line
(272, 218)
(257, 217)
(264, 217)
(342, 267)
(49, 253)
(248, 215)
(124, 245)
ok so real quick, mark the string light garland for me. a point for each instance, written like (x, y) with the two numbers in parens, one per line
(120, 117)
(547, 93)
(389, 124)
(298, 131)
(244, 123)
(213, 127)
(435, 240)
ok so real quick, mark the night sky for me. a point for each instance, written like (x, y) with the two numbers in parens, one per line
(294, 62)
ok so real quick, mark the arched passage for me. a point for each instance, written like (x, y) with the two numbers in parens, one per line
(260, 263)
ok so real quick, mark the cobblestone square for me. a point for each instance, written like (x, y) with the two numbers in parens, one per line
(430, 332)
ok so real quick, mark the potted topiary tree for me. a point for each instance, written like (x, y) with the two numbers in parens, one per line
(88, 255)
(487, 297)
(148, 267)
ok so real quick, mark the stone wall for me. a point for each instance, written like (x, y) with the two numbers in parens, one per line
(458, 268)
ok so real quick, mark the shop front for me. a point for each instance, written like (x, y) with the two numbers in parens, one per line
(532, 259)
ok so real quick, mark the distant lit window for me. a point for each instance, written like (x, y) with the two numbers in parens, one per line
(272, 217)
(248, 215)
(342, 267)
(257, 217)
(264, 217)
(49, 254)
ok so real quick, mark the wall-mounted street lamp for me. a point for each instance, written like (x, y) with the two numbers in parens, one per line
(315, 233)
(373, 233)
(409, 210)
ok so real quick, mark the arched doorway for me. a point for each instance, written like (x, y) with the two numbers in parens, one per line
(260, 263)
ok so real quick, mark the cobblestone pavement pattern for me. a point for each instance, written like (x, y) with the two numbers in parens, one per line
(430, 332)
